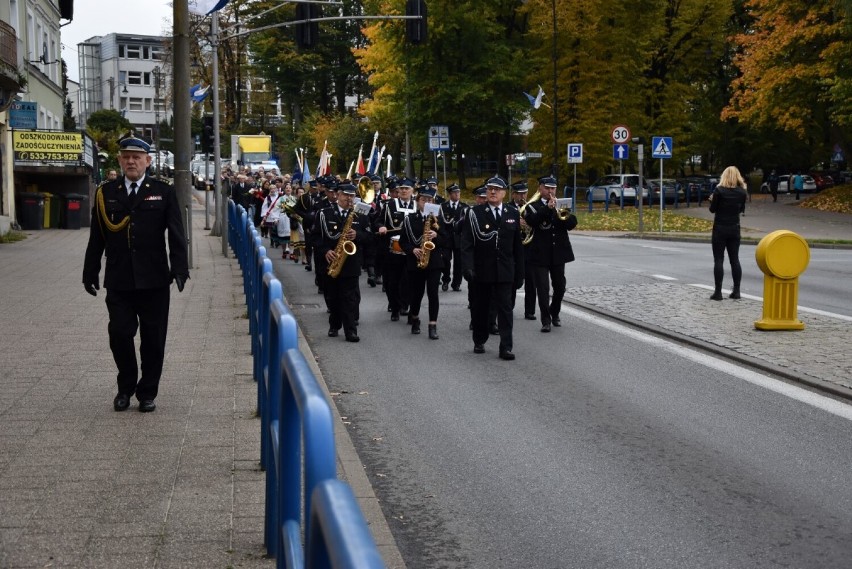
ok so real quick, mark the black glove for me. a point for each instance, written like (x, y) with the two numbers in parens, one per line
(519, 283)
(180, 281)
(91, 287)
(469, 275)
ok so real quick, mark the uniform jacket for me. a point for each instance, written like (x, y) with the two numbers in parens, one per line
(550, 244)
(495, 254)
(453, 219)
(412, 236)
(329, 225)
(136, 256)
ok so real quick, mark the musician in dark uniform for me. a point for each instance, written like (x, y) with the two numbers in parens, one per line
(519, 198)
(326, 200)
(372, 246)
(425, 279)
(493, 260)
(131, 219)
(549, 250)
(342, 293)
(306, 207)
(382, 241)
(390, 224)
(452, 210)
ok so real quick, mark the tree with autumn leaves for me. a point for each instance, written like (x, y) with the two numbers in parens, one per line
(745, 82)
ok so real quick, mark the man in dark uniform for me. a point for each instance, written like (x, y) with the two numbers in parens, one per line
(239, 191)
(342, 292)
(390, 224)
(131, 218)
(382, 241)
(549, 251)
(452, 210)
(493, 261)
(328, 199)
(519, 198)
(306, 207)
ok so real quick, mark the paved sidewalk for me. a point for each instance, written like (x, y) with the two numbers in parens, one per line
(84, 486)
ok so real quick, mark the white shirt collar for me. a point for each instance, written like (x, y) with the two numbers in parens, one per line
(137, 182)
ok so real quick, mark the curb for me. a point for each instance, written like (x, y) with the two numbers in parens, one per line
(762, 365)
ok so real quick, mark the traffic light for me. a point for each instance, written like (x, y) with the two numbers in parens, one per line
(307, 33)
(415, 30)
(207, 136)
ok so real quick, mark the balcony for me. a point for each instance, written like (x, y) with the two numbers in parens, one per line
(9, 78)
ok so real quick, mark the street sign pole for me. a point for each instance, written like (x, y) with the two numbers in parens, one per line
(574, 192)
(662, 195)
(640, 153)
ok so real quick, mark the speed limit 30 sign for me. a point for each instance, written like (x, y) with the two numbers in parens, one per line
(620, 134)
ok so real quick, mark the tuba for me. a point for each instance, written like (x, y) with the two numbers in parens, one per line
(365, 190)
(526, 230)
(427, 245)
(344, 247)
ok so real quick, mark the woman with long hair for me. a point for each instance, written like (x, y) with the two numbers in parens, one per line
(727, 203)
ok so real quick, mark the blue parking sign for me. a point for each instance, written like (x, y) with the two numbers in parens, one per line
(575, 153)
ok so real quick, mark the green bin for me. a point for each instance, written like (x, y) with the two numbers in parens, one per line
(52, 207)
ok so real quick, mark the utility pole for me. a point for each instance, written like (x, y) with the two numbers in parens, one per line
(157, 116)
(183, 141)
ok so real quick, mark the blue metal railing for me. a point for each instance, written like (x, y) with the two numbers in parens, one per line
(295, 417)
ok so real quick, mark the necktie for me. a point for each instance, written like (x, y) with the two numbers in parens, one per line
(133, 189)
(497, 214)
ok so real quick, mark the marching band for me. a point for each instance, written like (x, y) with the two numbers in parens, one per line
(405, 237)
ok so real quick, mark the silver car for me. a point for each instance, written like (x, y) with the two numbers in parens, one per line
(611, 187)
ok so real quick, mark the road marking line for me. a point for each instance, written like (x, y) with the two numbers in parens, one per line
(800, 308)
(805, 396)
(664, 277)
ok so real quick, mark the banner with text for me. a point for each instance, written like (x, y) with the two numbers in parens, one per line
(31, 145)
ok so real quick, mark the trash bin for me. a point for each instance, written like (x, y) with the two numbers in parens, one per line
(72, 209)
(31, 210)
(51, 210)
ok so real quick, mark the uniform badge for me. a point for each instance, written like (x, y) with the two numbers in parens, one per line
(154, 198)
(487, 226)
(510, 221)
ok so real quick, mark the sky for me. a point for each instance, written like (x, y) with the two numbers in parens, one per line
(100, 17)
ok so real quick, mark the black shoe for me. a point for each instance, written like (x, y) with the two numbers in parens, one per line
(716, 296)
(507, 355)
(494, 330)
(545, 327)
(556, 321)
(352, 338)
(415, 326)
(389, 307)
(308, 267)
(121, 402)
(394, 316)
(735, 294)
(456, 289)
(333, 333)
(445, 287)
(404, 311)
(433, 331)
(371, 282)
(147, 406)
(478, 349)
(529, 316)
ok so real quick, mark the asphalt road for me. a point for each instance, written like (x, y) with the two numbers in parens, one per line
(598, 447)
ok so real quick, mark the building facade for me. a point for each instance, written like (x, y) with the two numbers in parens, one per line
(128, 73)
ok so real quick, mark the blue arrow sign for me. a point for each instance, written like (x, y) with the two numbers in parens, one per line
(661, 147)
(620, 151)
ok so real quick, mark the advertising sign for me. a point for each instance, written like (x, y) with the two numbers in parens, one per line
(23, 114)
(31, 145)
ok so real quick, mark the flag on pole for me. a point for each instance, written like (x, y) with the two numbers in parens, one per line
(324, 167)
(374, 161)
(198, 94)
(388, 174)
(536, 101)
(205, 7)
(359, 166)
(306, 170)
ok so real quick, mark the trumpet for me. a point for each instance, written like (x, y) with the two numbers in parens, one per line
(526, 230)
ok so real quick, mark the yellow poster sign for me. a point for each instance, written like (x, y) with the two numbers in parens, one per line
(51, 146)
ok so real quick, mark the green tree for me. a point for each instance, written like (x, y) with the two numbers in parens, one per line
(108, 121)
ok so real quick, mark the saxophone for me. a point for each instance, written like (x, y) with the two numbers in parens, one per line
(427, 245)
(344, 247)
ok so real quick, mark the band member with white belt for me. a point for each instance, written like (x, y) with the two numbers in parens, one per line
(390, 224)
(452, 211)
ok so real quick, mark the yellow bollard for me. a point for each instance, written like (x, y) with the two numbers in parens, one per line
(782, 256)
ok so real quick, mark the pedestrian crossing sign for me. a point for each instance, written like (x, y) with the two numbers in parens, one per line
(661, 147)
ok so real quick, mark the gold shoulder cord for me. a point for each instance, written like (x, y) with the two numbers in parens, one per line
(114, 227)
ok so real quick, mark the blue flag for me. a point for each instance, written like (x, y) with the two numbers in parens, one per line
(197, 94)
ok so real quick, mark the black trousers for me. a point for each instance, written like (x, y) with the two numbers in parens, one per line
(148, 311)
(396, 282)
(456, 269)
(481, 299)
(529, 289)
(726, 238)
(420, 282)
(343, 296)
(543, 276)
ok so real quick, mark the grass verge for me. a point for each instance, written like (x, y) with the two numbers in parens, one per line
(12, 237)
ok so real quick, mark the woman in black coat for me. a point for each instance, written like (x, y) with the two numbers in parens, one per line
(727, 203)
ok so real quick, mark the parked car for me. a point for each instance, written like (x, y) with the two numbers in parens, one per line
(672, 192)
(202, 174)
(611, 186)
(699, 185)
(784, 184)
(822, 180)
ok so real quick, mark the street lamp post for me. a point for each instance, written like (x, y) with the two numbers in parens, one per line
(555, 166)
(157, 115)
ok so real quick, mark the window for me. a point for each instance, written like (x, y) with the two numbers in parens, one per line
(146, 78)
(135, 103)
(30, 36)
(13, 17)
(146, 52)
(156, 52)
(122, 77)
(148, 104)
(134, 77)
(122, 53)
(133, 52)
(159, 105)
(122, 102)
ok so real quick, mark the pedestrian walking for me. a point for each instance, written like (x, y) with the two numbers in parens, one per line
(773, 185)
(798, 184)
(727, 203)
(131, 218)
